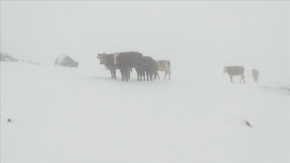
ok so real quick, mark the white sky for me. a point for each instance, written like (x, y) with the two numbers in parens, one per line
(189, 33)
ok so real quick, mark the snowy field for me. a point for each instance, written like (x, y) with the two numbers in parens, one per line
(61, 114)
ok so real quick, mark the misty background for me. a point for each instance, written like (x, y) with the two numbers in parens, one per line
(199, 38)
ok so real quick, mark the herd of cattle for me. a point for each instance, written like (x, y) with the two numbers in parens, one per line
(145, 66)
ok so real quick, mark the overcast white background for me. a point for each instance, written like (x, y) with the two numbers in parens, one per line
(194, 35)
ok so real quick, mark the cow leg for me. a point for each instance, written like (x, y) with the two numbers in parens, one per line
(158, 75)
(113, 74)
(123, 74)
(169, 75)
(127, 74)
(231, 77)
(147, 75)
(112, 77)
(165, 74)
(242, 78)
(138, 75)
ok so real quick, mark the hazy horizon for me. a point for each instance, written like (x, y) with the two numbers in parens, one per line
(215, 34)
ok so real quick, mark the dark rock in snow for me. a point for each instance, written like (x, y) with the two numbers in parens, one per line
(64, 60)
(248, 124)
(7, 58)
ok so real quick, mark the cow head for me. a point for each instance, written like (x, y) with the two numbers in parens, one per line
(225, 69)
(115, 58)
(102, 57)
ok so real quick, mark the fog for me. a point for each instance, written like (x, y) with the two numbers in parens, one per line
(198, 37)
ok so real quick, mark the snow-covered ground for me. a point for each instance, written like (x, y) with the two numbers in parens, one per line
(64, 114)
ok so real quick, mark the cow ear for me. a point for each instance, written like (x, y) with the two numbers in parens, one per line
(99, 54)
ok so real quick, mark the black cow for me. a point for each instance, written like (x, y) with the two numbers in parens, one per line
(255, 74)
(149, 67)
(65, 60)
(128, 60)
(235, 70)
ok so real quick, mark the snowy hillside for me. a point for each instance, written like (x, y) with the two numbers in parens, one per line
(65, 114)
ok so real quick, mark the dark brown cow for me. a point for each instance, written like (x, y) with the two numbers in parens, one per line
(235, 70)
(128, 60)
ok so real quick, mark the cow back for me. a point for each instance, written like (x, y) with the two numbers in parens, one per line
(163, 65)
(129, 59)
(235, 70)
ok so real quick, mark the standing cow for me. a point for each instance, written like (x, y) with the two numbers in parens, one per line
(164, 65)
(108, 61)
(149, 67)
(128, 60)
(235, 70)
(255, 74)
(123, 61)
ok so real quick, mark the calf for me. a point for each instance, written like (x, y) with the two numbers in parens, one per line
(235, 70)
(255, 74)
(164, 65)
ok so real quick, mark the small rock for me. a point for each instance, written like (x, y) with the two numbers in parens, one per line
(248, 123)
(9, 120)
